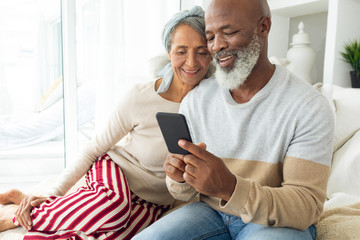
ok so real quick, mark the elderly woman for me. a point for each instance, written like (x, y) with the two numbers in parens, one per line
(125, 182)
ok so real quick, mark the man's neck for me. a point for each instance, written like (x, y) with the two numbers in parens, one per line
(258, 78)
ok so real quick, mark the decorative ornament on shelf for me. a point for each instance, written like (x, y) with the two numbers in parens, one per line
(301, 55)
(352, 56)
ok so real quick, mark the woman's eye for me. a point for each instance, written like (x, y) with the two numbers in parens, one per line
(180, 53)
(203, 53)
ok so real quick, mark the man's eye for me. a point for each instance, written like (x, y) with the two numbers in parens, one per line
(209, 39)
(180, 53)
(231, 33)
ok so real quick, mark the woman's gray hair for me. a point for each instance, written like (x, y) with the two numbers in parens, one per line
(161, 65)
(194, 18)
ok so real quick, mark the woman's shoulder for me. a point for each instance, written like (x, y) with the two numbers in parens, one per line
(146, 85)
(135, 91)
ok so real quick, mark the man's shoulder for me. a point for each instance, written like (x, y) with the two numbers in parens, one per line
(300, 96)
(296, 88)
(200, 96)
(206, 83)
(205, 86)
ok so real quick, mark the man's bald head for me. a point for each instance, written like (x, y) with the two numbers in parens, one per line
(253, 8)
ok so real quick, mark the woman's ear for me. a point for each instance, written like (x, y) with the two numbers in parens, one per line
(169, 56)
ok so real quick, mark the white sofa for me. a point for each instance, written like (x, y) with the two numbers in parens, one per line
(341, 218)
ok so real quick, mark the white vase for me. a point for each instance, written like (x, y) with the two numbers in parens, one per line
(301, 55)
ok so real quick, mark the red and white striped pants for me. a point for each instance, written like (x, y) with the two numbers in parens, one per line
(104, 209)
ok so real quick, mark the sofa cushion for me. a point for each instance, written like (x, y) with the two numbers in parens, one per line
(347, 105)
(345, 169)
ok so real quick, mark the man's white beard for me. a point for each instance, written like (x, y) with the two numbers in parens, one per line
(246, 58)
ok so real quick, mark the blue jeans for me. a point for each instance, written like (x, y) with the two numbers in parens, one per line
(197, 221)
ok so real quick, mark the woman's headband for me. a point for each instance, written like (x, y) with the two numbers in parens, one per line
(176, 19)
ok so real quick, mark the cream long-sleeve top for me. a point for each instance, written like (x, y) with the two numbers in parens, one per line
(141, 152)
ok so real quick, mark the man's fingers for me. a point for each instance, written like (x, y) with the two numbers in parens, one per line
(190, 169)
(189, 178)
(174, 167)
(197, 150)
(202, 145)
(174, 164)
(171, 170)
(177, 163)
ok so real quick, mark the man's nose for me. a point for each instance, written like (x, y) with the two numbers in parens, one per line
(218, 44)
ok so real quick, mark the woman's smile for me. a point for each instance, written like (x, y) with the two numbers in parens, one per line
(191, 72)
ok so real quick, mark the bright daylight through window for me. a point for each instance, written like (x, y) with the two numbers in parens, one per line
(114, 42)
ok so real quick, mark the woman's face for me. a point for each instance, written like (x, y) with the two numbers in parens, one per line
(189, 56)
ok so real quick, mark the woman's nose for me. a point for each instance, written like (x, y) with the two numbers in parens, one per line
(191, 60)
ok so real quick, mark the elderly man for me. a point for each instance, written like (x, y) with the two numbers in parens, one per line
(264, 169)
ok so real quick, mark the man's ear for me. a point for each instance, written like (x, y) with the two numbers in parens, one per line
(265, 25)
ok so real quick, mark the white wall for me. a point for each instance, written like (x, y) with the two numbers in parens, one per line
(343, 26)
(279, 37)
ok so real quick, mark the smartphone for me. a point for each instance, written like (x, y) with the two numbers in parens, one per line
(173, 127)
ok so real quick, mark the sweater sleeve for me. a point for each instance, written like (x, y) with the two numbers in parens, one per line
(118, 125)
(298, 202)
(180, 191)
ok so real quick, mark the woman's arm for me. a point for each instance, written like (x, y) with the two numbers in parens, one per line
(118, 125)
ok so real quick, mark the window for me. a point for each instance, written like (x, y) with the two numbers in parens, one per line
(114, 41)
(31, 123)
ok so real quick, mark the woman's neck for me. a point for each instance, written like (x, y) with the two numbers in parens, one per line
(176, 92)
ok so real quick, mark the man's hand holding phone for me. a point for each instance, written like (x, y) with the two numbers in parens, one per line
(175, 166)
(206, 172)
(191, 163)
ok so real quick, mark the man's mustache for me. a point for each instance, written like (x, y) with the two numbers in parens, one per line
(223, 53)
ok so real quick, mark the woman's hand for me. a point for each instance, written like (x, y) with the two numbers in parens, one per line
(22, 214)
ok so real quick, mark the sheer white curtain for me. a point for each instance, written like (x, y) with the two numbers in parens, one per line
(129, 35)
